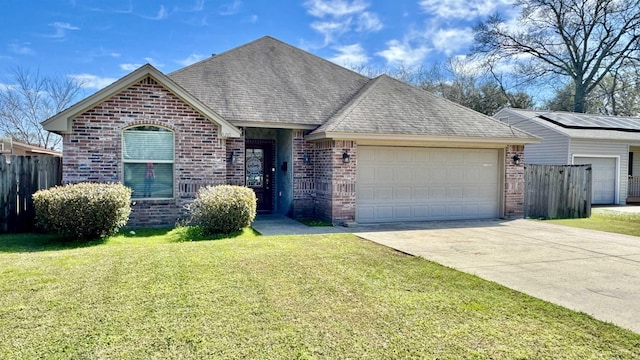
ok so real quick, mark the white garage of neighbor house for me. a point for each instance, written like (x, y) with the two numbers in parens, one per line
(608, 143)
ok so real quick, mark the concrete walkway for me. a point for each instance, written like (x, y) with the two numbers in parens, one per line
(593, 272)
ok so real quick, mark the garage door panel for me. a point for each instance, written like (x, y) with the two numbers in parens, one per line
(455, 174)
(426, 184)
(603, 178)
(455, 157)
(402, 193)
(403, 174)
(403, 212)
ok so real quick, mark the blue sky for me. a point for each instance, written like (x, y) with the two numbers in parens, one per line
(101, 41)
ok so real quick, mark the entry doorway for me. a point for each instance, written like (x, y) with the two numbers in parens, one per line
(259, 172)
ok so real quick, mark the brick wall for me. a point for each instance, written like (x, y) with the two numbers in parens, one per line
(514, 183)
(335, 181)
(304, 191)
(92, 152)
(235, 149)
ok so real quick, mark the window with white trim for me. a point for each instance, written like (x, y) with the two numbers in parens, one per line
(147, 159)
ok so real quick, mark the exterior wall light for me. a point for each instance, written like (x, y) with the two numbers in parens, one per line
(516, 159)
(345, 157)
(305, 159)
(233, 158)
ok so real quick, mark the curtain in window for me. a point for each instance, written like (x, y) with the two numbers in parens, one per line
(148, 153)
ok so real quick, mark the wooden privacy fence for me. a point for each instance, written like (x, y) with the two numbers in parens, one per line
(557, 191)
(19, 179)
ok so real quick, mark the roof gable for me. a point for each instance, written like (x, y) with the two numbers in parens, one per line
(270, 81)
(387, 106)
(61, 122)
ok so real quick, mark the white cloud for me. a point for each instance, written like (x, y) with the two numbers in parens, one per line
(6, 87)
(462, 9)
(153, 62)
(451, 40)
(161, 15)
(368, 21)
(403, 53)
(129, 67)
(350, 55)
(334, 8)
(230, 8)
(338, 17)
(61, 29)
(21, 49)
(331, 29)
(89, 81)
(191, 59)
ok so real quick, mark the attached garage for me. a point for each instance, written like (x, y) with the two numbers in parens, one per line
(419, 183)
(603, 178)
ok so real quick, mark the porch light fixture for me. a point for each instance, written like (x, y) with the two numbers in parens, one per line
(516, 159)
(345, 157)
(305, 159)
(233, 158)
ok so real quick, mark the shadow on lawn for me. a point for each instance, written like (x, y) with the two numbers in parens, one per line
(31, 242)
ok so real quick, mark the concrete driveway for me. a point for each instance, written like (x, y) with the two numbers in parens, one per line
(593, 272)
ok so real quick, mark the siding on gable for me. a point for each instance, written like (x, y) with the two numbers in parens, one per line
(551, 151)
(586, 147)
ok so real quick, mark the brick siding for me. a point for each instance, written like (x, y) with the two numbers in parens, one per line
(335, 181)
(92, 152)
(304, 191)
(514, 183)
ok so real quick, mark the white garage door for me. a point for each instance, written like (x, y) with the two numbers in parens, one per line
(603, 178)
(414, 184)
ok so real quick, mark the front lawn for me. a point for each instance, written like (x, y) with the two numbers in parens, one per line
(157, 295)
(606, 220)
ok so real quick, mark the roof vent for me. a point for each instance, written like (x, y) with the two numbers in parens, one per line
(212, 55)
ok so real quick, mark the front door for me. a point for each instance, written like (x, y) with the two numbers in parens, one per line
(259, 170)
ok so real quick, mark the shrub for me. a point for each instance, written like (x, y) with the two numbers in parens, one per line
(223, 209)
(83, 211)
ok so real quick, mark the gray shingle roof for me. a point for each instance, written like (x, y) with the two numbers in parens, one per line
(389, 106)
(270, 81)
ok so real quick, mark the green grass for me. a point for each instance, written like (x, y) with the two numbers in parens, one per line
(606, 220)
(160, 295)
(315, 222)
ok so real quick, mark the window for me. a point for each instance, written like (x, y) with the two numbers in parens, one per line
(147, 156)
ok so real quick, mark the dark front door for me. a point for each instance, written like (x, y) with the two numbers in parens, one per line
(259, 170)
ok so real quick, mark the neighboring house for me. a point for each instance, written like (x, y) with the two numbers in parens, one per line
(608, 143)
(313, 139)
(11, 147)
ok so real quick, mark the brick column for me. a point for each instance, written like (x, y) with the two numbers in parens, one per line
(514, 183)
(336, 181)
(235, 150)
(303, 177)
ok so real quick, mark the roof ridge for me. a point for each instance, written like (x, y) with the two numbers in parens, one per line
(217, 56)
(263, 38)
(339, 116)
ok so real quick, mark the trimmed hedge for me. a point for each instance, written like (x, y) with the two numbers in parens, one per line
(223, 209)
(83, 211)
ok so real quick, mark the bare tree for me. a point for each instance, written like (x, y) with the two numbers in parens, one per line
(582, 39)
(29, 98)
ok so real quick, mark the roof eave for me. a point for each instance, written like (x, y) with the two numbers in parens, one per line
(421, 138)
(61, 123)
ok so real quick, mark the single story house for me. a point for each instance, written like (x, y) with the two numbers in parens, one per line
(311, 138)
(608, 143)
(9, 147)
